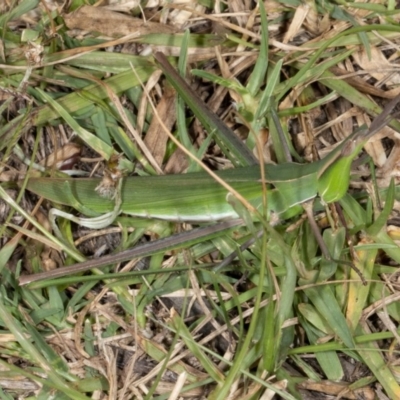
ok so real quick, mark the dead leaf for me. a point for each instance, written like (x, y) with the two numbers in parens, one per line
(110, 23)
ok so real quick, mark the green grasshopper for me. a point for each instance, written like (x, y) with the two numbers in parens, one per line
(197, 197)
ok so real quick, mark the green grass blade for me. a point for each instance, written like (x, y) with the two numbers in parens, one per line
(238, 152)
(325, 302)
(105, 150)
